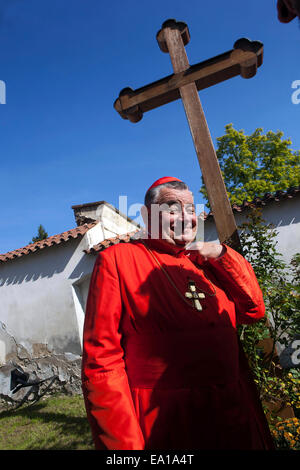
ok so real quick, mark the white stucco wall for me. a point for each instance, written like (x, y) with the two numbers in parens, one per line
(113, 222)
(284, 215)
(37, 299)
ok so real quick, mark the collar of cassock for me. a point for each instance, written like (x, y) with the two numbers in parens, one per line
(164, 247)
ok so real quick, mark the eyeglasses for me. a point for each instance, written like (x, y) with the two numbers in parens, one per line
(176, 208)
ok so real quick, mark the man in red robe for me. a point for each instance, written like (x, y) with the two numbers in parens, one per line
(162, 367)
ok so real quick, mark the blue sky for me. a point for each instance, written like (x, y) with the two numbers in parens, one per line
(64, 63)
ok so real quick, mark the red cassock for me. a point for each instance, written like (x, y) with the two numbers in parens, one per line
(156, 372)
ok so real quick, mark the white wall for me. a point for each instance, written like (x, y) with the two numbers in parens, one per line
(284, 215)
(37, 302)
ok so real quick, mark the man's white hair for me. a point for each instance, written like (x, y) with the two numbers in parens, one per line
(152, 195)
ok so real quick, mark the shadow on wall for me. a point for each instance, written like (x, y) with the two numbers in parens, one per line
(45, 263)
(83, 268)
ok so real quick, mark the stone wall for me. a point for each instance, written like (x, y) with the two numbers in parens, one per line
(64, 369)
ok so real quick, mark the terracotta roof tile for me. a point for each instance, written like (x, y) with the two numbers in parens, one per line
(47, 242)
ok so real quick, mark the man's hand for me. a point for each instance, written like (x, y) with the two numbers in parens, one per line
(206, 249)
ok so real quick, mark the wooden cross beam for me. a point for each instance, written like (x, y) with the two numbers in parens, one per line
(243, 59)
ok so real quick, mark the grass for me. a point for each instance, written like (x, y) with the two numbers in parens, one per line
(55, 423)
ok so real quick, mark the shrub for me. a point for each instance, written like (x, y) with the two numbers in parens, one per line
(278, 387)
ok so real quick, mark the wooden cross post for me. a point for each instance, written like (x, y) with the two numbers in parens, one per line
(184, 83)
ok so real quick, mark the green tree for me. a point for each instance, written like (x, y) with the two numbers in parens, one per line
(253, 165)
(41, 235)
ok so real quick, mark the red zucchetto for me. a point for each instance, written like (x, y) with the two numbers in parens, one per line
(164, 179)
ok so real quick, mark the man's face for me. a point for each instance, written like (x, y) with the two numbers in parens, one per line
(176, 217)
(288, 10)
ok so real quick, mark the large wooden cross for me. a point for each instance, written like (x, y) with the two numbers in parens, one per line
(242, 60)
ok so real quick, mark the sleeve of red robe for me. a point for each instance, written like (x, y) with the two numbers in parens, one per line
(238, 280)
(105, 385)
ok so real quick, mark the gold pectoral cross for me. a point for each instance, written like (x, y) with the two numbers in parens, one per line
(194, 295)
